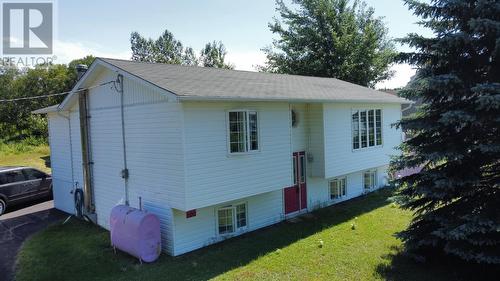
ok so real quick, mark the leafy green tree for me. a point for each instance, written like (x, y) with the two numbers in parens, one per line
(16, 119)
(214, 55)
(7, 77)
(165, 49)
(330, 38)
(142, 48)
(455, 135)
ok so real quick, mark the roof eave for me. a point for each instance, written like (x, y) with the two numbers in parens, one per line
(249, 99)
(45, 110)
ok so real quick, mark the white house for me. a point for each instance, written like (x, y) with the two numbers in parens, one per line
(215, 153)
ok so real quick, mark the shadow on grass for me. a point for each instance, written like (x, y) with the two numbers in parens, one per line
(90, 246)
(438, 267)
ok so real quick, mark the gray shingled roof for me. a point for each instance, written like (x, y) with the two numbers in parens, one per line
(203, 83)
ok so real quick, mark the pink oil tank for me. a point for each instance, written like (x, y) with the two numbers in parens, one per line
(135, 232)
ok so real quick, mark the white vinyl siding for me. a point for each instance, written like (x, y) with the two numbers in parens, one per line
(76, 143)
(340, 157)
(60, 159)
(202, 230)
(316, 122)
(213, 175)
(299, 131)
(153, 131)
(319, 190)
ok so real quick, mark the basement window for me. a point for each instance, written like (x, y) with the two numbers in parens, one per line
(370, 180)
(243, 131)
(232, 218)
(338, 188)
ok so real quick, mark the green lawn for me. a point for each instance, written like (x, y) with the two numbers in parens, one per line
(37, 157)
(287, 251)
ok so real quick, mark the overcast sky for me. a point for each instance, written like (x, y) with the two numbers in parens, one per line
(103, 28)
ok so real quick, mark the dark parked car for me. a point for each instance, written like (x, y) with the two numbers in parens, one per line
(22, 184)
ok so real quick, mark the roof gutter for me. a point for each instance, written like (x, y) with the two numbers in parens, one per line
(246, 99)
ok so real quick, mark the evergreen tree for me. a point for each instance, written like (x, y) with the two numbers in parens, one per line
(330, 38)
(455, 134)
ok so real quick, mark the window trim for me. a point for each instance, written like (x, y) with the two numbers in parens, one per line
(247, 132)
(330, 188)
(374, 184)
(367, 128)
(233, 207)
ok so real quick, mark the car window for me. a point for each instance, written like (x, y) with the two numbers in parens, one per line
(3, 179)
(32, 174)
(13, 176)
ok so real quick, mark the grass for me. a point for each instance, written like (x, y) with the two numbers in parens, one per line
(287, 251)
(21, 154)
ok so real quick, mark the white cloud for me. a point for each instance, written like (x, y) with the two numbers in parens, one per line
(246, 60)
(402, 75)
(68, 51)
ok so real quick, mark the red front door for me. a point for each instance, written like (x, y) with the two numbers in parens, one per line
(296, 195)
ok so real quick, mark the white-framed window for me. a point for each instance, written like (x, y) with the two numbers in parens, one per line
(370, 179)
(338, 188)
(243, 131)
(366, 128)
(231, 218)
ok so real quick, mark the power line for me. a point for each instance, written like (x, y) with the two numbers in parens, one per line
(58, 94)
(35, 97)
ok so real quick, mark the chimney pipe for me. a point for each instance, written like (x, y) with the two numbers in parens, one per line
(80, 71)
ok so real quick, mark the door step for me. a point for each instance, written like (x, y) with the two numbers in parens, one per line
(295, 219)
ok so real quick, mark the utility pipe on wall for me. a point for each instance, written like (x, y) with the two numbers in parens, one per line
(124, 173)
